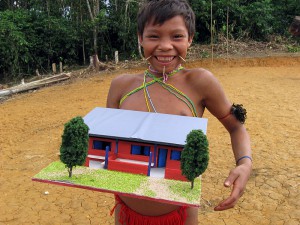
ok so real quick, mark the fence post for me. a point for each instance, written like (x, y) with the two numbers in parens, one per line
(54, 68)
(60, 67)
(116, 57)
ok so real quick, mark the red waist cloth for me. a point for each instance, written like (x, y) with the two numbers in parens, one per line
(129, 217)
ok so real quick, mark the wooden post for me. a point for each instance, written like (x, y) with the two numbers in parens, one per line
(60, 67)
(116, 57)
(54, 68)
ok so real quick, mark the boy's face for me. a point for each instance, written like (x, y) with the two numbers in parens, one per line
(165, 43)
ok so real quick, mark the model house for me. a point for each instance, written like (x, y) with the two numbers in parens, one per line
(139, 142)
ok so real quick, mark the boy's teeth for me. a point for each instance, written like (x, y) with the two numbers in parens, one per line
(166, 59)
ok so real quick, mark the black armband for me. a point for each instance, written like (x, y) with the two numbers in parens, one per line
(239, 112)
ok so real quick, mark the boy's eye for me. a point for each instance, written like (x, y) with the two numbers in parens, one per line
(152, 36)
(178, 36)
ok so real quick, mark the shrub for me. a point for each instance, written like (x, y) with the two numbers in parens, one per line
(195, 156)
(74, 146)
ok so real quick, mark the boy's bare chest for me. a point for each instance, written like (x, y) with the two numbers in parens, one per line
(177, 99)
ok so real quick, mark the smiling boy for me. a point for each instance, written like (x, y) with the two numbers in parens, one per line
(165, 31)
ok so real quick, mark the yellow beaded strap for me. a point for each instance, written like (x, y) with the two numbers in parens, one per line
(173, 90)
(136, 90)
(146, 84)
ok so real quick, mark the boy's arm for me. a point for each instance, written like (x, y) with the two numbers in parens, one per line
(115, 93)
(217, 103)
(238, 176)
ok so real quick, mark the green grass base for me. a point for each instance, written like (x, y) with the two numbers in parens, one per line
(156, 189)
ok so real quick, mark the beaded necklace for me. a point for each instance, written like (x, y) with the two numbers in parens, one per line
(173, 90)
(165, 78)
(161, 81)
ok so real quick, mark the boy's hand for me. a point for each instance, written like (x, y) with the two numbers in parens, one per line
(237, 178)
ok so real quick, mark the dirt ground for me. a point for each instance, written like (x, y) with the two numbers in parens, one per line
(32, 123)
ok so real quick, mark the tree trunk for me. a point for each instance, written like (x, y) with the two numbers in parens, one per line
(83, 42)
(70, 171)
(192, 184)
(34, 84)
(94, 14)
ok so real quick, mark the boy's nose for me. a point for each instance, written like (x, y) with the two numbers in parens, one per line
(165, 45)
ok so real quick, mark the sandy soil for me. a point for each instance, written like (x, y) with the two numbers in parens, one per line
(32, 124)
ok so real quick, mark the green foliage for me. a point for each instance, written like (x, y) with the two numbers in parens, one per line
(292, 48)
(284, 12)
(257, 19)
(74, 146)
(123, 27)
(195, 155)
(34, 34)
(14, 46)
(32, 40)
(246, 19)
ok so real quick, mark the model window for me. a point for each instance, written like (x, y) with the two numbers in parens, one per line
(101, 145)
(140, 150)
(175, 155)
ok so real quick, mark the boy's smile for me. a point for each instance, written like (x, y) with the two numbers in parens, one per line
(165, 43)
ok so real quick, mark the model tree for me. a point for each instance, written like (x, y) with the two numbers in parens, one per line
(74, 146)
(194, 157)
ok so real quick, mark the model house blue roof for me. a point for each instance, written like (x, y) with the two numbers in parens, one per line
(164, 129)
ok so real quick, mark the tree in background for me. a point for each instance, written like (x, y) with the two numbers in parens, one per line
(195, 156)
(34, 33)
(74, 146)
(122, 29)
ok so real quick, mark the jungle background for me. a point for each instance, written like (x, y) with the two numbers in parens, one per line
(35, 34)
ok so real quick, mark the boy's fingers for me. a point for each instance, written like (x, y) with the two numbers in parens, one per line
(226, 204)
(231, 178)
(231, 200)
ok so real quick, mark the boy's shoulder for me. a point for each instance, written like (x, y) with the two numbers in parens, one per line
(127, 81)
(128, 77)
(199, 72)
(201, 81)
(199, 75)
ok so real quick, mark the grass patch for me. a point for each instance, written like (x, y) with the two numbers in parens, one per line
(183, 189)
(103, 179)
(149, 193)
(177, 191)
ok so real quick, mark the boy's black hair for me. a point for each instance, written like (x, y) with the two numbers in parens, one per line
(159, 11)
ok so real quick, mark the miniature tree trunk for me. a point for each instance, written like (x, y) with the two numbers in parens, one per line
(74, 146)
(194, 157)
(70, 171)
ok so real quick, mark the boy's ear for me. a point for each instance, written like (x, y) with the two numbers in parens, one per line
(190, 40)
(140, 38)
